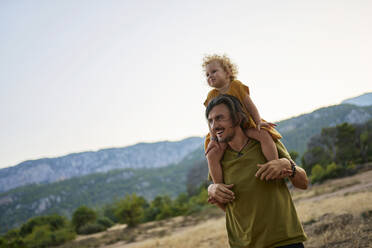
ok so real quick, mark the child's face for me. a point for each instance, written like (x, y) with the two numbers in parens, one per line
(217, 77)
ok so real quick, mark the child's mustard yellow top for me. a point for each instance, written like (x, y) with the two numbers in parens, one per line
(240, 90)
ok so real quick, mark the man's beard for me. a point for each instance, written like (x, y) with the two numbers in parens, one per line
(228, 138)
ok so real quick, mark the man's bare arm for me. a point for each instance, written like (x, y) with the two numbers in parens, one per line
(280, 168)
(300, 179)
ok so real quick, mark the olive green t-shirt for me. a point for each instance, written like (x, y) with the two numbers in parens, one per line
(263, 214)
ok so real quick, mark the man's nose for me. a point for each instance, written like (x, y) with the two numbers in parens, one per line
(213, 124)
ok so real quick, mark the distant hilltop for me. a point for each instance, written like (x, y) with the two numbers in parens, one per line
(362, 100)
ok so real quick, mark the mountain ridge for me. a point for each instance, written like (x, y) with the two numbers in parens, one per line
(141, 155)
(298, 130)
(361, 100)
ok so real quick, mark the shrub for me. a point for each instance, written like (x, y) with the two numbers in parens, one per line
(54, 222)
(109, 212)
(333, 170)
(130, 210)
(62, 235)
(12, 239)
(82, 216)
(12, 234)
(39, 238)
(317, 173)
(106, 222)
(15, 243)
(90, 228)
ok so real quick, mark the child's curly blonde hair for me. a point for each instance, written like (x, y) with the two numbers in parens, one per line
(225, 63)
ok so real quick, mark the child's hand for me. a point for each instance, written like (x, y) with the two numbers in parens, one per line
(265, 124)
(258, 126)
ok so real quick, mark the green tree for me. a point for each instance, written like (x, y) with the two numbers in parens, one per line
(315, 155)
(346, 149)
(82, 216)
(364, 145)
(130, 210)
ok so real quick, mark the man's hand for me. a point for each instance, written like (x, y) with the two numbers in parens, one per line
(221, 192)
(213, 201)
(274, 169)
(215, 151)
(212, 144)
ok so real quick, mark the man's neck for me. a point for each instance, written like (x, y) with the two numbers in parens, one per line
(239, 140)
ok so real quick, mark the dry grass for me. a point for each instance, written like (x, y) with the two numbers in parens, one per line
(211, 233)
(337, 213)
(353, 204)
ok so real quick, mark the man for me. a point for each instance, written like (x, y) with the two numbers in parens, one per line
(259, 211)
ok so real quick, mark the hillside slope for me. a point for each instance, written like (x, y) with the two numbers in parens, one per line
(94, 190)
(297, 131)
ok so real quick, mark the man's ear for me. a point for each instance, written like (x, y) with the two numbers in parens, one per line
(240, 119)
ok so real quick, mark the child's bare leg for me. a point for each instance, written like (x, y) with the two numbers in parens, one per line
(267, 143)
(216, 173)
(215, 170)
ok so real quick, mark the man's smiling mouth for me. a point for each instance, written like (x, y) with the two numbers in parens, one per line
(220, 132)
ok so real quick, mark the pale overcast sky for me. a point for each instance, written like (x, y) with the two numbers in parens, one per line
(85, 75)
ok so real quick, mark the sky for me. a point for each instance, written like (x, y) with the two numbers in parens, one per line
(79, 75)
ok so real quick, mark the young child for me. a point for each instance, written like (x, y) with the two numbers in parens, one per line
(221, 75)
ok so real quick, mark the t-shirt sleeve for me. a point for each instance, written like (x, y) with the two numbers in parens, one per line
(241, 88)
(282, 151)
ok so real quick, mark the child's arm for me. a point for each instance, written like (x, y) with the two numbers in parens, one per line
(214, 166)
(252, 109)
